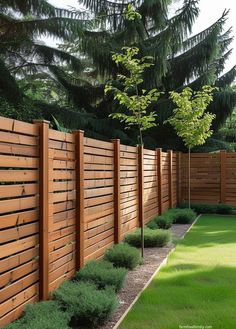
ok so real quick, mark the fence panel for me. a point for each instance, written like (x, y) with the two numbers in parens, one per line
(129, 188)
(230, 176)
(175, 179)
(93, 199)
(62, 204)
(99, 197)
(205, 178)
(19, 217)
(165, 181)
(150, 185)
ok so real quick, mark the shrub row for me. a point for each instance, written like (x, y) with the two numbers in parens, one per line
(89, 299)
(210, 208)
(165, 221)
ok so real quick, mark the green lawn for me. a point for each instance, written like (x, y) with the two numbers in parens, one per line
(198, 285)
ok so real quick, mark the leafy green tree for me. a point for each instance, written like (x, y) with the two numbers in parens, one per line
(190, 120)
(128, 97)
(135, 103)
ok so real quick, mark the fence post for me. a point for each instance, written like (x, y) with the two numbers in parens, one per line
(140, 186)
(141, 195)
(117, 203)
(43, 208)
(170, 176)
(159, 175)
(79, 149)
(222, 176)
(179, 185)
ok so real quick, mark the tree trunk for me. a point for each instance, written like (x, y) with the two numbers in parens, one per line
(189, 178)
(142, 226)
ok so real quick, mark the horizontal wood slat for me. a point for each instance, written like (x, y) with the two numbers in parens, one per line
(65, 199)
(211, 178)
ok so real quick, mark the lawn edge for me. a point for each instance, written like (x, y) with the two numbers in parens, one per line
(164, 262)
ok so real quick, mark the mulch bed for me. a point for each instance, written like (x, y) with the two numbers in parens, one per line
(138, 278)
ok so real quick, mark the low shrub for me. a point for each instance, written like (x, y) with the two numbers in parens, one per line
(210, 208)
(152, 238)
(103, 274)
(201, 208)
(224, 209)
(164, 222)
(181, 216)
(43, 315)
(123, 255)
(152, 224)
(87, 305)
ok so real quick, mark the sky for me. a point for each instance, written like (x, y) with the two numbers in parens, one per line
(210, 11)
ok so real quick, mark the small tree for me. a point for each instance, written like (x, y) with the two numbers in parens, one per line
(131, 97)
(190, 121)
(135, 102)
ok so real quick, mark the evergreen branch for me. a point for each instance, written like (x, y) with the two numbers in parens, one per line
(37, 8)
(58, 27)
(79, 92)
(50, 55)
(197, 38)
(220, 63)
(195, 60)
(227, 79)
(8, 85)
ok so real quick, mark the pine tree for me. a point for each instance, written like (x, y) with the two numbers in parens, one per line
(179, 60)
(22, 23)
(27, 63)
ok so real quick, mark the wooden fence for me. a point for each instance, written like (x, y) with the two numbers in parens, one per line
(213, 178)
(65, 199)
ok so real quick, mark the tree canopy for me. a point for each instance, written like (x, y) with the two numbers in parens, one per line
(89, 39)
(179, 60)
(22, 52)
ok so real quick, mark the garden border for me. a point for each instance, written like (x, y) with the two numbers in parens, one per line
(152, 277)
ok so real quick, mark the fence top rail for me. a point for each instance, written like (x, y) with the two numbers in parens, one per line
(20, 127)
(126, 148)
(98, 144)
(61, 136)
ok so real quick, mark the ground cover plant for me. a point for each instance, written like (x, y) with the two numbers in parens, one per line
(43, 315)
(103, 274)
(152, 238)
(197, 287)
(123, 255)
(87, 305)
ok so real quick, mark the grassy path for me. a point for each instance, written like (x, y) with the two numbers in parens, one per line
(197, 288)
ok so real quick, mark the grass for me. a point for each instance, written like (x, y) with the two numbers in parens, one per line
(197, 287)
